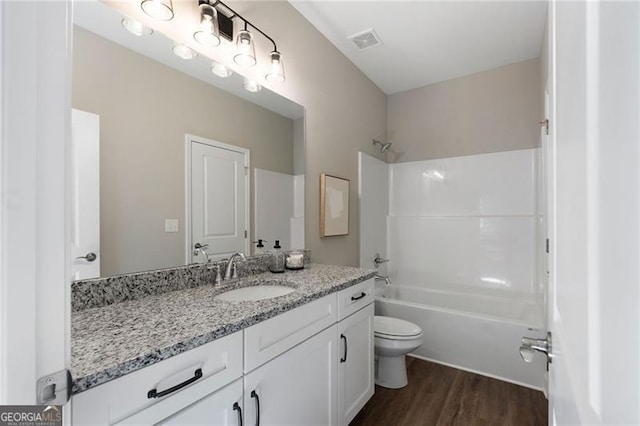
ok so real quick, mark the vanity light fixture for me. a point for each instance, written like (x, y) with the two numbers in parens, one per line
(245, 47)
(251, 86)
(245, 50)
(276, 68)
(184, 52)
(220, 70)
(209, 33)
(161, 10)
(135, 27)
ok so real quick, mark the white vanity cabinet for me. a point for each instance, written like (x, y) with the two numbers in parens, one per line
(312, 365)
(356, 381)
(206, 369)
(297, 387)
(356, 363)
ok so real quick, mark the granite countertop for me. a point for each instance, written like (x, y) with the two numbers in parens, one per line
(111, 341)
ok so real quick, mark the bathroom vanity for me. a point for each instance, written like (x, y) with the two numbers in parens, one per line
(186, 356)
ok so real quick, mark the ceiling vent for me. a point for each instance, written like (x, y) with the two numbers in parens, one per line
(365, 39)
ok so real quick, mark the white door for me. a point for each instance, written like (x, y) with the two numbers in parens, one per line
(34, 254)
(594, 292)
(217, 199)
(296, 388)
(85, 195)
(356, 367)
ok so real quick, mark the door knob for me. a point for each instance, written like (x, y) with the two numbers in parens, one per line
(89, 257)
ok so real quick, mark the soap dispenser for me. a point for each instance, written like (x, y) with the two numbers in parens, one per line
(277, 259)
(260, 246)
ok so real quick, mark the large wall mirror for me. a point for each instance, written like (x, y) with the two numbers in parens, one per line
(160, 146)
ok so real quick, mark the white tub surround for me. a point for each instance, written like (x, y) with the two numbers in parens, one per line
(466, 250)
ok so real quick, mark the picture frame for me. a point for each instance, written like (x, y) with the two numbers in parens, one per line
(334, 206)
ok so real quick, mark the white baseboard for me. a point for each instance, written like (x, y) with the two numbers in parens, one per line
(481, 373)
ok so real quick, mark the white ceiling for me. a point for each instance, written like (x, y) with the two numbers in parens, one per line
(425, 42)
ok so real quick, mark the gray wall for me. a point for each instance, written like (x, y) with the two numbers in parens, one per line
(145, 110)
(344, 110)
(490, 111)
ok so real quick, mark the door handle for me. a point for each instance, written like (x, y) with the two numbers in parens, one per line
(344, 358)
(89, 257)
(530, 346)
(255, 395)
(200, 246)
(236, 407)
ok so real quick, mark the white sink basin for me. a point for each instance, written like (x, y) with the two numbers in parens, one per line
(253, 293)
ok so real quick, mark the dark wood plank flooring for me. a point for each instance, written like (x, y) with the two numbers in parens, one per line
(439, 395)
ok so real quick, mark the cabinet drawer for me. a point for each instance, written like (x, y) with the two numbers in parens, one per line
(270, 338)
(355, 297)
(220, 362)
(214, 409)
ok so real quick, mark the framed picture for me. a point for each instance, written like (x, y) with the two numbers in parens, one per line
(334, 206)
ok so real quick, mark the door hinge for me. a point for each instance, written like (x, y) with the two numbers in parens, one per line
(54, 389)
(246, 171)
(246, 233)
(547, 246)
(545, 123)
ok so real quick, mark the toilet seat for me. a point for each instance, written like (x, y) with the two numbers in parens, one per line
(395, 328)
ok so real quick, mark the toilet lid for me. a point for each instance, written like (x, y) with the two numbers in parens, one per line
(394, 327)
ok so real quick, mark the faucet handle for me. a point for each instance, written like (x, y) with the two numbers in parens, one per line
(377, 261)
(218, 278)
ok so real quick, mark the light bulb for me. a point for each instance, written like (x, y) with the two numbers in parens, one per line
(245, 50)
(220, 70)
(208, 34)
(184, 52)
(158, 9)
(135, 27)
(276, 68)
(251, 86)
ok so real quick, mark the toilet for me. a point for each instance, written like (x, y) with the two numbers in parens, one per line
(393, 339)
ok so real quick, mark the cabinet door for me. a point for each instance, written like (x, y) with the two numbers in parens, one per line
(218, 408)
(296, 388)
(356, 363)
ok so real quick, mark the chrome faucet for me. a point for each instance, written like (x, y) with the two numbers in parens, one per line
(201, 249)
(230, 264)
(382, 277)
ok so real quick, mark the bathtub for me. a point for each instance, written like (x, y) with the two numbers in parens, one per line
(476, 333)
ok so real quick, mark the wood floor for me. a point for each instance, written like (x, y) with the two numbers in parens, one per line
(439, 395)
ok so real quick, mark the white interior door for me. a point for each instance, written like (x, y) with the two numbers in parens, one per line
(35, 69)
(594, 295)
(217, 202)
(85, 195)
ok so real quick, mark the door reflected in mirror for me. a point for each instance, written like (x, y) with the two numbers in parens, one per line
(148, 102)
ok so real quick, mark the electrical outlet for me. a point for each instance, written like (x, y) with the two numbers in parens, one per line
(171, 225)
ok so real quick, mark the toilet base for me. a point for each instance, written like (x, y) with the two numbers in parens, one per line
(391, 371)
